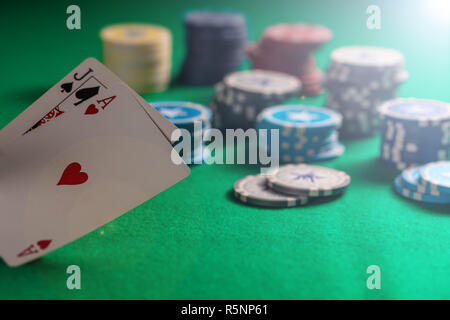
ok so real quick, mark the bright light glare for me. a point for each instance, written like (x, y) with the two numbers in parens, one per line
(440, 10)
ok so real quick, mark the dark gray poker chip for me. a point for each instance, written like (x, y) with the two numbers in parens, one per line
(253, 190)
(215, 46)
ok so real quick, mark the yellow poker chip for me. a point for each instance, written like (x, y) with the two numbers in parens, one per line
(134, 34)
(140, 54)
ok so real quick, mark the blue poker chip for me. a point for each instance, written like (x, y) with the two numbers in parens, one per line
(298, 119)
(410, 179)
(193, 117)
(405, 192)
(328, 154)
(182, 112)
(413, 109)
(436, 176)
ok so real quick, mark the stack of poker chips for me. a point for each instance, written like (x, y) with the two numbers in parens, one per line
(358, 80)
(291, 186)
(427, 183)
(306, 134)
(140, 54)
(289, 48)
(414, 132)
(215, 46)
(195, 119)
(242, 95)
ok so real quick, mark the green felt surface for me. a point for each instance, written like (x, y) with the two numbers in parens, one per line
(194, 241)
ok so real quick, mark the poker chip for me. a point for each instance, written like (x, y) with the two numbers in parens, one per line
(358, 80)
(416, 110)
(193, 117)
(306, 134)
(140, 54)
(414, 132)
(314, 181)
(351, 64)
(299, 118)
(215, 42)
(410, 179)
(253, 190)
(288, 48)
(436, 176)
(242, 95)
(404, 191)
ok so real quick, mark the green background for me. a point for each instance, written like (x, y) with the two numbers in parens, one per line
(194, 241)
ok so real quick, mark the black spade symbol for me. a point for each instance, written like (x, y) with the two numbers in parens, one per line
(86, 93)
(66, 87)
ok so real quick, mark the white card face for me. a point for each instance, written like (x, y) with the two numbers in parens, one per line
(80, 171)
(80, 87)
(166, 127)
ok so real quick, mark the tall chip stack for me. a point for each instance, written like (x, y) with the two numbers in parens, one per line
(140, 54)
(358, 80)
(243, 94)
(414, 132)
(289, 48)
(215, 43)
(306, 134)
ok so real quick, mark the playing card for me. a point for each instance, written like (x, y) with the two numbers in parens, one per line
(81, 86)
(74, 174)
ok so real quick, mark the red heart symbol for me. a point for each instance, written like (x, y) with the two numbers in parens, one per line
(43, 244)
(72, 175)
(92, 109)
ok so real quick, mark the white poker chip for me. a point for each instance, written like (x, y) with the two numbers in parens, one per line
(254, 190)
(367, 56)
(314, 181)
(264, 82)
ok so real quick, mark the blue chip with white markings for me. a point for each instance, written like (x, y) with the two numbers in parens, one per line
(410, 178)
(436, 176)
(180, 112)
(404, 191)
(300, 117)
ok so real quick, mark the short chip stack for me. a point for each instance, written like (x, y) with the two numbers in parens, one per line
(242, 95)
(288, 48)
(427, 183)
(306, 134)
(291, 186)
(140, 54)
(358, 80)
(215, 44)
(195, 119)
(414, 132)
